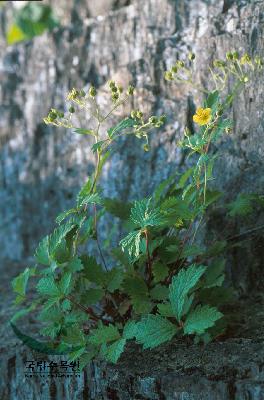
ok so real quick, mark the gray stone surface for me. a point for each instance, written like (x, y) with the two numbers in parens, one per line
(41, 169)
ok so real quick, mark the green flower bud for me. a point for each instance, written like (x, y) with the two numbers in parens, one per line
(146, 147)
(229, 56)
(258, 61)
(52, 115)
(111, 84)
(162, 119)
(120, 89)
(114, 89)
(245, 59)
(139, 114)
(180, 63)
(219, 112)
(219, 64)
(61, 114)
(174, 69)
(191, 56)
(73, 94)
(168, 76)
(153, 120)
(133, 114)
(71, 110)
(92, 91)
(130, 90)
(82, 93)
(235, 55)
(228, 130)
(115, 96)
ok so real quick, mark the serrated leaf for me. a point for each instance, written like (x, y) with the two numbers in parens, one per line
(93, 271)
(212, 99)
(131, 243)
(85, 190)
(165, 310)
(19, 283)
(153, 330)
(103, 334)
(192, 251)
(75, 355)
(216, 296)
(42, 252)
(159, 292)
(47, 286)
(74, 336)
(51, 330)
(115, 350)
(160, 271)
(75, 265)
(65, 214)
(241, 206)
(214, 274)
(122, 125)
(87, 357)
(135, 285)
(130, 330)
(200, 319)
(92, 296)
(181, 284)
(143, 215)
(114, 278)
(65, 283)
(92, 198)
(117, 208)
(177, 208)
(141, 304)
(57, 236)
(46, 348)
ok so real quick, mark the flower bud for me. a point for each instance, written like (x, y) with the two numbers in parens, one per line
(228, 130)
(153, 120)
(245, 59)
(219, 112)
(71, 110)
(174, 69)
(146, 147)
(52, 115)
(191, 56)
(60, 114)
(229, 56)
(219, 64)
(133, 114)
(139, 114)
(162, 118)
(115, 96)
(168, 76)
(130, 90)
(82, 93)
(235, 55)
(111, 84)
(180, 63)
(92, 91)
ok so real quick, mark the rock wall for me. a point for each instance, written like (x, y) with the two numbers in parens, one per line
(42, 168)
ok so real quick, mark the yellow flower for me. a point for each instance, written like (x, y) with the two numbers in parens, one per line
(202, 116)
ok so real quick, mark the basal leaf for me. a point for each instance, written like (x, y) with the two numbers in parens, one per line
(181, 284)
(200, 319)
(153, 330)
